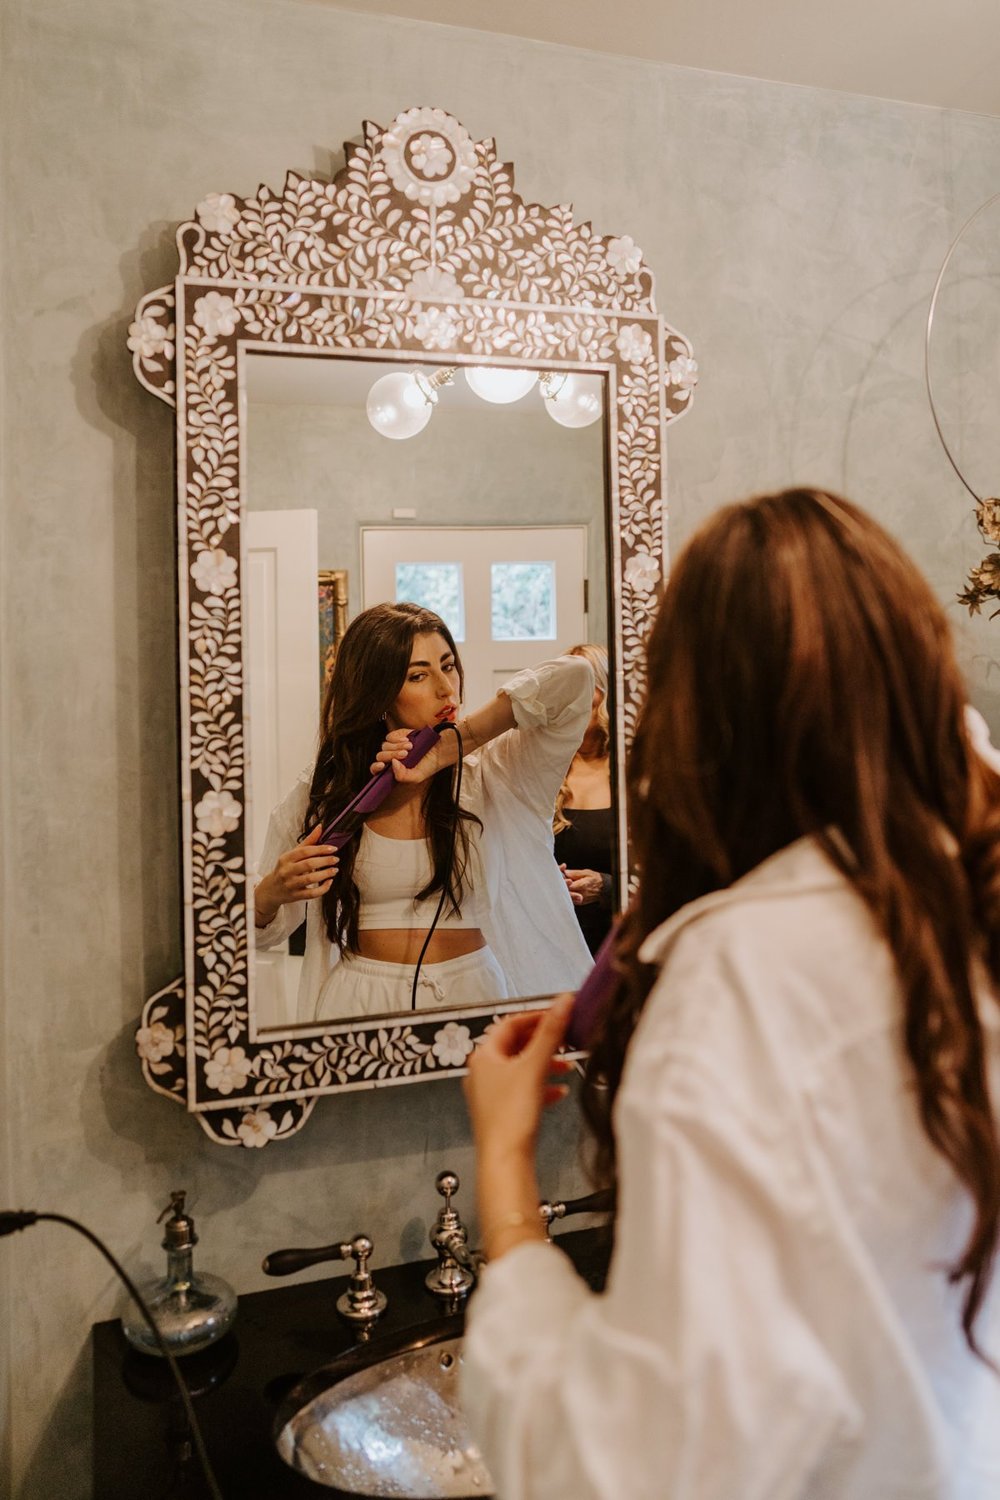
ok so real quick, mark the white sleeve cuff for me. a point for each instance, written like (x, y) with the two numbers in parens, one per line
(542, 695)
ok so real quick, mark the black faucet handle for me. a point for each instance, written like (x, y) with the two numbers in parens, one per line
(362, 1304)
(600, 1202)
(287, 1262)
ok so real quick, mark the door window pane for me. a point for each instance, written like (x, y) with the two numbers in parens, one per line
(437, 586)
(523, 598)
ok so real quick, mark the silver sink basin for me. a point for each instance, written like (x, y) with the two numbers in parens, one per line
(386, 1422)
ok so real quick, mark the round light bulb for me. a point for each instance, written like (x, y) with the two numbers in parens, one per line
(398, 407)
(575, 400)
(500, 385)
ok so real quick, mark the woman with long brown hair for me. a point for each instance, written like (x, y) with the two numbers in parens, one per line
(795, 1086)
(506, 924)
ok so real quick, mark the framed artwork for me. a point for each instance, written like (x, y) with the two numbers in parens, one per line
(332, 620)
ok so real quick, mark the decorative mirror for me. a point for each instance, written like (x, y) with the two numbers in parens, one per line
(417, 261)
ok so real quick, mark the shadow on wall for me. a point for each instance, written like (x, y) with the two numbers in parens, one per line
(364, 1160)
(135, 1131)
(66, 1430)
(143, 509)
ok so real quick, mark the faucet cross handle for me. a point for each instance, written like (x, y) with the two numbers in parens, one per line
(452, 1278)
(447, 1184)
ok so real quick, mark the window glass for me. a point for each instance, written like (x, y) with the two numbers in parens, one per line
(523, 599)
(437, 586)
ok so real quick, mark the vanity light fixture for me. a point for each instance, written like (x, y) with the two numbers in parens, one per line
(499, 385)
(400, 405)
(572, 400)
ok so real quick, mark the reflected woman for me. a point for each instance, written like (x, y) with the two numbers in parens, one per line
(507, 925)
(584, 822)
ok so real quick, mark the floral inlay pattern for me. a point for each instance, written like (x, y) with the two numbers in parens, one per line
(452, 1045)
(430, 157)
(419, 248)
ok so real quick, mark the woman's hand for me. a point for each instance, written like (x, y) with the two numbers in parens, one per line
(396, 746)
(584, 886)
(509, 1079)
(302, 874)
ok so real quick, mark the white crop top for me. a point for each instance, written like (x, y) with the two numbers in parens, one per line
(389, 872)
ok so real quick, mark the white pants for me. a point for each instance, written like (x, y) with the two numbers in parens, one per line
(371, 987)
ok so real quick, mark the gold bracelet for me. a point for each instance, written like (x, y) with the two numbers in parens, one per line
(512, 1220)
(466, 729)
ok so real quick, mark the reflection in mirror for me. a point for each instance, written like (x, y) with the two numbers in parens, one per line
(493, 517)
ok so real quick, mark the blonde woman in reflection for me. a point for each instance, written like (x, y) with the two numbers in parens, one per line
(507, 926)
(795, 1086)
(584, 822)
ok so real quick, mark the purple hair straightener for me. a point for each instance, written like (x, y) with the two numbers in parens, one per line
(350, 818)
(592, 996)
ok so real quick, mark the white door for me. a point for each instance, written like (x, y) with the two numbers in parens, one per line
(282, 638)
(512, 596)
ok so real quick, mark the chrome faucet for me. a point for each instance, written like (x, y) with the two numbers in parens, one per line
(453, 1277)
(362, 1304)
(458, 1266)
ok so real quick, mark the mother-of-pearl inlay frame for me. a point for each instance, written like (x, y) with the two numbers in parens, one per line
(419, 248)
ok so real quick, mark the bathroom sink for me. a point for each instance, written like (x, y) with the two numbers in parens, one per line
(384, 1420)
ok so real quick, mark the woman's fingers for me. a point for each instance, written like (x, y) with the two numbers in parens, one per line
(395, 748)
(511, 1035)
(539, 1029)
(306, 871)
(312, 859)
(318, 875)
(584, 886)
(551, 1028)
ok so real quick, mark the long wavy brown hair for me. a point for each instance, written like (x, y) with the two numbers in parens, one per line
(369, 671)
(801, 679)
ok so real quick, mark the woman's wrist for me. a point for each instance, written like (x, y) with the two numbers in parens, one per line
(507, 1191)
(486, 723)
(470, 740)
(510, 1230)
(265, 908)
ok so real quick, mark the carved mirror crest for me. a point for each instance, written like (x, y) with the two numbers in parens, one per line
(419, 250)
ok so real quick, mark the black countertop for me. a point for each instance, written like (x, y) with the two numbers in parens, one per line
(142, 1446)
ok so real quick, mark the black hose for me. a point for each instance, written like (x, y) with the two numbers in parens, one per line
(451, 859)
(11, 1220)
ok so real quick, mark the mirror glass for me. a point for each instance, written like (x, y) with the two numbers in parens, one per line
(493, 515)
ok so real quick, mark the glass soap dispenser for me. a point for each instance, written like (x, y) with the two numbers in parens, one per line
(192, 1310)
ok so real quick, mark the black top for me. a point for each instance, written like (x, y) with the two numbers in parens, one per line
(588, 844)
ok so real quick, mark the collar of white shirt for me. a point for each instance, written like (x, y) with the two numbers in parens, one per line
(801, 866)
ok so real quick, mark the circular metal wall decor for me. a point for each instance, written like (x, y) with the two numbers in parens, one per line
(983, 584)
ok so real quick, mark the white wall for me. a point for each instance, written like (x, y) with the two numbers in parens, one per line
(795, 234)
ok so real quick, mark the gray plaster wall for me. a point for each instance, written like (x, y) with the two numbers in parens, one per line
(795, 234)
